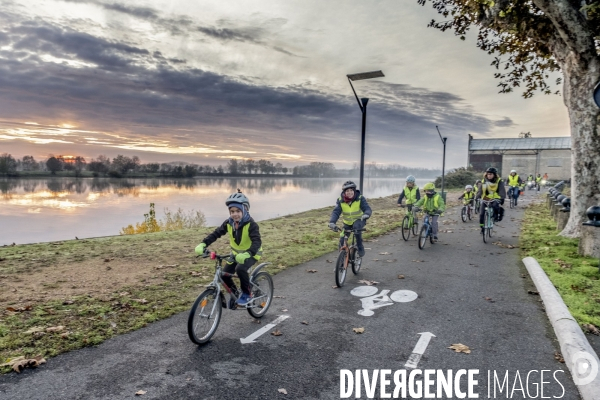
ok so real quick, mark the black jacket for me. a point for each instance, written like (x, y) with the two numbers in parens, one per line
(237, 234)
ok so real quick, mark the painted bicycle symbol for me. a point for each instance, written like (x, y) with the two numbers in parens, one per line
(371, 300)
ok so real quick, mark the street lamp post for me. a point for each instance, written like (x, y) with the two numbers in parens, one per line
(362, 104)
(443, 161)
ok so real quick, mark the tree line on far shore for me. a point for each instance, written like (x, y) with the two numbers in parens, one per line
(122, 166)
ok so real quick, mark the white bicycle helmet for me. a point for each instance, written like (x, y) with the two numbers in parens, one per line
(238, 197)
(468, 187)
(513, 171)
(410, 178)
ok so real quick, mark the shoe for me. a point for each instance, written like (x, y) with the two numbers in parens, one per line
(435, 238)
(482, 230)
(361, 253)
(244, 299)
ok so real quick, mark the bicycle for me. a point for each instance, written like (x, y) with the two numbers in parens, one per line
(347, 256)
(426, 230)
(410, 221)
(467, 211)
(205, 314)
(488, 220)
(477, 205)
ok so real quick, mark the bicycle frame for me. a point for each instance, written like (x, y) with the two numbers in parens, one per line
(489, 211)
(218, 281)
(353, 246)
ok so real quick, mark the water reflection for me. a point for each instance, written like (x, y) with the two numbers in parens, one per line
(102, 206)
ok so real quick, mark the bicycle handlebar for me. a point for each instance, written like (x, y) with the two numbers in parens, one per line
(337, 229)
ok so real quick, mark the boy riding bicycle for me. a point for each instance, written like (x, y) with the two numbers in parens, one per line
(410, 192)
(432, 203)
(514, 182)
(355, 211)
(492, 188)
(244, 240)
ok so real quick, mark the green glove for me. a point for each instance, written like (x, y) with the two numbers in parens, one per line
(242, 257)
(200, 248)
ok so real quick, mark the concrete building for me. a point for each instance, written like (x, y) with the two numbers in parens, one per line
(550, 156)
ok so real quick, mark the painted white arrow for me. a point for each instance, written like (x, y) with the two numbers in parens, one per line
(263, 330)
(419, 349)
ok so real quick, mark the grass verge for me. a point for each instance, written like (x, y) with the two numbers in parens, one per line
(60, 296)
(575, 277)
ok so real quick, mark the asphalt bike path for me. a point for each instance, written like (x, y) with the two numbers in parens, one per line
(465, 292)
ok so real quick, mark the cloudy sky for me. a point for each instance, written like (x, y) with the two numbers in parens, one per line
(209, 80)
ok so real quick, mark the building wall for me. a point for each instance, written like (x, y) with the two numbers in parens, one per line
(556, 163)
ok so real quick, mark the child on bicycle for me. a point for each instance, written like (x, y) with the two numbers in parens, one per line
(432, 203)
(492, 188)
(244, 240)
(410, 192)
(355, 211)
(468, 196)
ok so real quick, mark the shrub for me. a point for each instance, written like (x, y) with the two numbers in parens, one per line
(114, 174)
(173, 221)
(458, 178)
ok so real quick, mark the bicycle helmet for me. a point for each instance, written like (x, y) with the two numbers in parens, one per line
(513, 171)
(492, 170)
(410, 178)
(349, 185)
(468, 187)
(238, 197)
(429, 186)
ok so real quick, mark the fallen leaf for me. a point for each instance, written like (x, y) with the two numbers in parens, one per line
(328, 261)
(140, 392)
(385, 253)
(558, 357)
(533, 292)
(19, 363)
(65, 335)
(358, 330)
(400, 276)
(304, 323)
(312, 271)
(376, 259)
(256, 321)
(592, 329)
(123, 293)
(35, 329)
(141, 301)
(282, 391)
(276, 332)
(335, 287)
(279, 297)
(67, 302)
(394, 260)
(19, 309)
(55, 328)
(369, 283)
(284, 309)
(460, 348)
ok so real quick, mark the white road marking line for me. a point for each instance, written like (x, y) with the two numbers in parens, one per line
(419, 349)
(263, 330)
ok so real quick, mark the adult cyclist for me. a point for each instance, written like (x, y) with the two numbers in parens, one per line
(492, 189)
(514, 182)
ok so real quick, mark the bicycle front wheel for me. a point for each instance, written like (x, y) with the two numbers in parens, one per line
(262, 294)
(406, 228)
(470, 212)
(415, 227)
(205, 316)
(340, 268)
(512, 202)
(356, 264)
(422, 237)
(463, 214)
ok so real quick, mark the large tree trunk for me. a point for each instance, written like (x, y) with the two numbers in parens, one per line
(585, 140)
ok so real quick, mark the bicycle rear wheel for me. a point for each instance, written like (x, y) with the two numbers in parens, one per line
(262, 294)
(356, 263)
(463, 214)
(205, 316)
(422, 237)
(340, 270)
(406, 228)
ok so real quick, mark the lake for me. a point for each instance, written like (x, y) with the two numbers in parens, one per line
(43, 210)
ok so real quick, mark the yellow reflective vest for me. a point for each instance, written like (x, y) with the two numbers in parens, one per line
(351, 212)
(245, 243)
(411, 194)
(489, 189)
(513, 180)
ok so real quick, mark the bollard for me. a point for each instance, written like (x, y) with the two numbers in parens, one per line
(557, 205)
(589, 241)
(563, 215)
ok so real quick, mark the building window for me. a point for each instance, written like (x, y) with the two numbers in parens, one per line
(555, 162)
